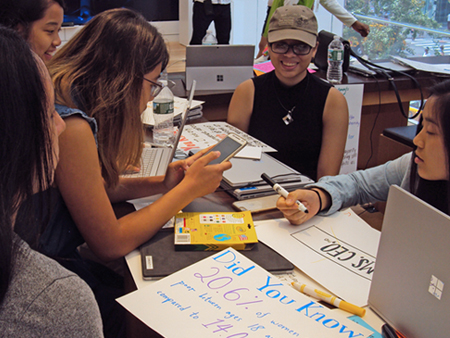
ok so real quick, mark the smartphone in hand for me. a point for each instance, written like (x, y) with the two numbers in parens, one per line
(228, 147)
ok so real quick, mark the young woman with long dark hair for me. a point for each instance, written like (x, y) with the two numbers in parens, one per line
(424, 172)
(103, 78)
(38, 297)
(37, 21)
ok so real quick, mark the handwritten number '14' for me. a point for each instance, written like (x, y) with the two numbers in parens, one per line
(225, 327)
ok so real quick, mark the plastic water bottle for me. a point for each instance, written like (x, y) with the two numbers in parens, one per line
(163, 108)
(335, 60)
(209, 39)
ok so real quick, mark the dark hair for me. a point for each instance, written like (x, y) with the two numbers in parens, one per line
(25, 140)
(101, 70)
(441, 95)
(16, 13)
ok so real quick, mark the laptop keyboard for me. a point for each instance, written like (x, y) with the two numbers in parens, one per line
(152, 159)
(148, 158)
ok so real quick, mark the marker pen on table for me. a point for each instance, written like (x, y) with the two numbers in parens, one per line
(330, 299)
(282, 192)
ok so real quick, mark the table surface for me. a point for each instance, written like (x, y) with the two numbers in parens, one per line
(221, 201)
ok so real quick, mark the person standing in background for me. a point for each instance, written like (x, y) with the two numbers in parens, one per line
(207, 11)
(331, 6)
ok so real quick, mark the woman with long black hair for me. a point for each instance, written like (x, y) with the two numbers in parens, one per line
(424, 172)
(38, 297)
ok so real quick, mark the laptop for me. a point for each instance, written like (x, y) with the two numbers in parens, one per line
(411, 282)
(219, 67)
(154, 161)
(159, 258)
(360, 69)
(244, 181)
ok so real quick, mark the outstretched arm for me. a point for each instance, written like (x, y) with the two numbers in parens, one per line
(345, 17)
(361, 28)
(334, 135)
(241, 105)
(79, 179)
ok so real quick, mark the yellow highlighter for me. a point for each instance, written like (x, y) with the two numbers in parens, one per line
(330, 299)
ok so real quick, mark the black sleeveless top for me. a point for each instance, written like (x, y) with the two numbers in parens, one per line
(298, 143)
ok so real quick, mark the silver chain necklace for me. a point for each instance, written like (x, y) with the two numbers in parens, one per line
(287, 119)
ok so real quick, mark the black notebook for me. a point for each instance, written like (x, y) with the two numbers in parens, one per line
(159, 258)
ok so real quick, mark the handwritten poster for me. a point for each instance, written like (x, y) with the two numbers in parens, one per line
(337, 251)
(229, 296)
(202, 135)
(354, 96)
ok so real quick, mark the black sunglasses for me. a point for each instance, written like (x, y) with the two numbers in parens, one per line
(283, 48)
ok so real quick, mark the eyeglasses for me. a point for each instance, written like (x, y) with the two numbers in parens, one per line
(156, 87)
(283, 48)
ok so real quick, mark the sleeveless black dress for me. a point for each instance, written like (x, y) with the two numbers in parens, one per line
(299, 142)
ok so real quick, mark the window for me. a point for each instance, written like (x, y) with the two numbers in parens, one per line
(406, 28)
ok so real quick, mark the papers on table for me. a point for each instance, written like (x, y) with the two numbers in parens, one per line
(179, 106)
(337, 251)
(263, 67)
(228, 295)
(203, 135)
(442, 68)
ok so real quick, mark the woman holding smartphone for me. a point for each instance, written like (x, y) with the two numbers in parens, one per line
(104, 77)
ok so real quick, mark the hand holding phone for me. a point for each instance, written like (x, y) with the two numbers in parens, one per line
(228, 147)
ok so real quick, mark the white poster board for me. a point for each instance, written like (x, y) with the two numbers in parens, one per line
(354, 95)
(337, 251)
(227, 295)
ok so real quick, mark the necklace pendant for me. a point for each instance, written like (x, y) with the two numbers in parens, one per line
(288, 118)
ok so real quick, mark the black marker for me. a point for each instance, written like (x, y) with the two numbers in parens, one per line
(282, 192)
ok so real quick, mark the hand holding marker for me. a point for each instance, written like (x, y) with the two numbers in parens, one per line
(282, 192)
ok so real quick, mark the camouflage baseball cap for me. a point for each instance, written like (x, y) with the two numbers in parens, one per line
(293, 22)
